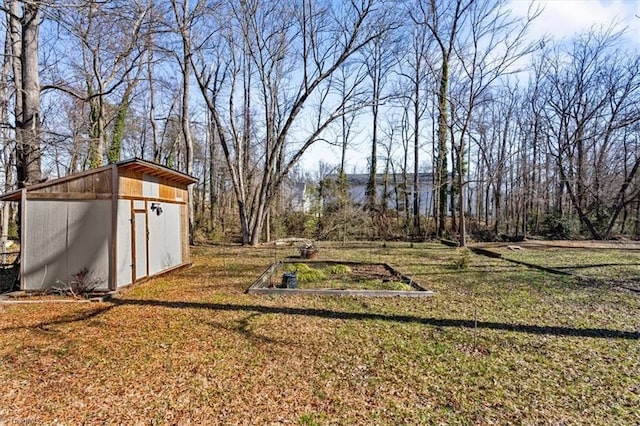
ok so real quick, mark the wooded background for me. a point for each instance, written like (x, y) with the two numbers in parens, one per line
(522, 136)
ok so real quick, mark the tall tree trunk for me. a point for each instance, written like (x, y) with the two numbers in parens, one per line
(8, 148)
(28, 166)
(213, 177)
(416, 150)
(115, 149)
(455, 169)
(184, 25)
(462, 229)
(441, 162)
(97, 124)
(15, 34)
(152, 95)
(405, 176)
(186, 131)
(373, 165)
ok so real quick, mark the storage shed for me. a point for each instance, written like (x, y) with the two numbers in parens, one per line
(116, 224)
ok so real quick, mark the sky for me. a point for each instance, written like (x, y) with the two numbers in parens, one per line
(560, 19)
(566, 18)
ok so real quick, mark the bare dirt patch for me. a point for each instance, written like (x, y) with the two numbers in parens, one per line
(366, 272)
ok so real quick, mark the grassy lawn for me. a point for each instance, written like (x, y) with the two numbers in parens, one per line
(498, 343)
(617, 264)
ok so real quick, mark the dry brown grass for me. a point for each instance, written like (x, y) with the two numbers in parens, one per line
(498, 343)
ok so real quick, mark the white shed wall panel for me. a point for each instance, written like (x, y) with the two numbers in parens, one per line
(64, 237)
(123, 244)
(165, 248)
(140, 241)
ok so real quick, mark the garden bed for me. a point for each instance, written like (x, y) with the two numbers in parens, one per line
(336, 278)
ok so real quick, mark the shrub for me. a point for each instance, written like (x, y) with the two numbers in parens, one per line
(480, 232)
(82, 284)
(556, 227)
(305, 273)
(292, 223)
(399, 286)
(462, 259)
(338, 270)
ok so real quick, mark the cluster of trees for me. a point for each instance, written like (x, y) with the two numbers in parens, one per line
(519, 134)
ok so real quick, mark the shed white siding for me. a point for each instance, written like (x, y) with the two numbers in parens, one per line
(63, 238)
(165, 249)
(125, 256)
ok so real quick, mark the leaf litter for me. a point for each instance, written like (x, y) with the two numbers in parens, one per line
(496, 344)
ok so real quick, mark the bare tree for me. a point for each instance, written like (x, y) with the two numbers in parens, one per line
(184, 18)
(494, 133)
(6, 139)
(415, 71)
(315, 39)
(479, 42)
(110, 37)
(590, 109)
(378, 58)
(443, 20)
(24, 24)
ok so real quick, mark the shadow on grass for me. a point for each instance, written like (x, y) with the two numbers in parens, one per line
(434, 322)
(329, 314)
(450, 270)
(244, 328)
(504, 266)
(596, 265)
(67, 319)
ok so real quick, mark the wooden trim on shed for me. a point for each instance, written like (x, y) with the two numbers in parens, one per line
(68, 196)
(184, 234)
(139, 165)
(133, 165)
(14, 195)
(132, 223)
(23, 233)
(113, 264)
(158, 200)
(64, 179)
(146, 235)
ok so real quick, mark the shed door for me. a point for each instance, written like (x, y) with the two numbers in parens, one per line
(140, 241)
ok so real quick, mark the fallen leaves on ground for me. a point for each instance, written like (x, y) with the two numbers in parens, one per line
(498, 343)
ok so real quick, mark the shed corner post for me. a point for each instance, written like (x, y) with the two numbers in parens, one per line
(23, 233)
(113, 258)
